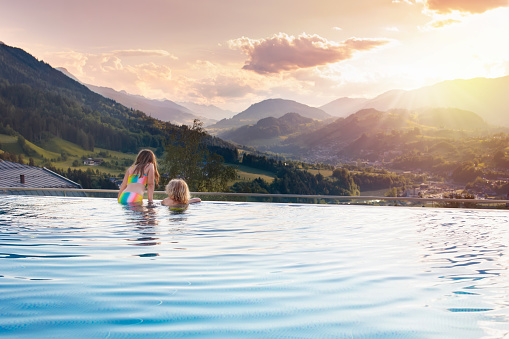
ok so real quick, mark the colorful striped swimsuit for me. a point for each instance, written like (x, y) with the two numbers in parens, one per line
(133, 198)
(138, 179)
(130, 198)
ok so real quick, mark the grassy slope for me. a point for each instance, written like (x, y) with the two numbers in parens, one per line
(248, 173)
(7, 139)
(325, 173)
(75, 152)
(58, 145)
(10, 144)
(53, 149)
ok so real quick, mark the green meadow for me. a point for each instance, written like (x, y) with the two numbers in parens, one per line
(63, 154)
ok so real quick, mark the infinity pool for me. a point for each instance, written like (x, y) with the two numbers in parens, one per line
(90, 268)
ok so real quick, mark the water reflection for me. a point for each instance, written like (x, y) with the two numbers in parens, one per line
(176, 210)
(468, 256)
(155, 225)
(144, 220)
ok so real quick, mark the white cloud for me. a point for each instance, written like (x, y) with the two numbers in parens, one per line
(448, 12)
(464, 6)
(142, 53)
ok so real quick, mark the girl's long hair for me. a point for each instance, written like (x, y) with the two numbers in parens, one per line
(145, 157)
(178, 191)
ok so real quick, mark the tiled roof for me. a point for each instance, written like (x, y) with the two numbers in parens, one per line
(35, 177)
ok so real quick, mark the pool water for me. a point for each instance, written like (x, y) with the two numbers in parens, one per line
(91, 268)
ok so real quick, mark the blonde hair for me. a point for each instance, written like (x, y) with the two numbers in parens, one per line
(145, 157)
(178, 191)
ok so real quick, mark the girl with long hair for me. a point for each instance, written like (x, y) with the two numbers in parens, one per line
(142, 174)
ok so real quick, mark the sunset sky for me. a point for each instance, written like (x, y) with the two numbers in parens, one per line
(233, 53)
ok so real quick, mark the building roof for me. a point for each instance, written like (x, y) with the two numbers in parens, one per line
(35, 177)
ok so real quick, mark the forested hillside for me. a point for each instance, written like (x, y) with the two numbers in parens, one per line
(269, 128)
(39, 102)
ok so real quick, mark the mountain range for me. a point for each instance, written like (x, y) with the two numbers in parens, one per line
(371, 121)
(270, 130)
(343, 107)
(368, 131)
(274, 108)
(164, 110)
(210, 112)
(38, 103)
(480, 95)
(484, 96)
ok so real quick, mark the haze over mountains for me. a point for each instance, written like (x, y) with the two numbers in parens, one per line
(484, 96)
(165, 110)
(41, 108)
(454, 104)
(39, 104)
(371, 121)
(209, 111)
(343, 107)
(366, 131)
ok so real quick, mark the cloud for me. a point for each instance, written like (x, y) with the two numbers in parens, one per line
(448, 12)
(443, 23)
(130, 70)
(142, 53)
(221, 87)
(286, 53)
(464, 6)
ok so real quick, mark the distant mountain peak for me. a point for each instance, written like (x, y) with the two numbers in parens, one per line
(272, 129)
(484, 96)
(344, 106)
(276, 108)
(208, 111)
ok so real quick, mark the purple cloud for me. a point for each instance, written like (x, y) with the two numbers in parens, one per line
(285, 53)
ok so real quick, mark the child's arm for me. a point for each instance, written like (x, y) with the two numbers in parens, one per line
(124, 183)
(193, 200)
(150, 183)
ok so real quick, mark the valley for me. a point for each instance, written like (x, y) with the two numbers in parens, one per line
(401, 142)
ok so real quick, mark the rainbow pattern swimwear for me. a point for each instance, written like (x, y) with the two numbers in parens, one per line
(137, 179)
(130, 198)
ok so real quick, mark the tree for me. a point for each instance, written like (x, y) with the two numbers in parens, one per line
(187, 157)
(216, 175)
(185, 154)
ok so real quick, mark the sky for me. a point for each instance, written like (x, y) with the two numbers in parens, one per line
(234, 53)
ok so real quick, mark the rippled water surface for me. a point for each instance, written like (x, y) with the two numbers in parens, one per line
(90, 268)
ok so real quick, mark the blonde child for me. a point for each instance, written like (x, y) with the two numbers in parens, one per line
(178, 194)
